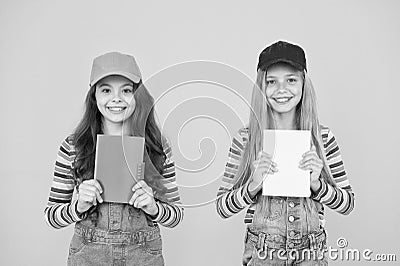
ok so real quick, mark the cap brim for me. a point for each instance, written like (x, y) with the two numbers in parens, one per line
(130, 76)
(282, 60)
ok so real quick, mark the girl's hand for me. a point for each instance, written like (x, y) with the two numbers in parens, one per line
(143, 198)
(311, 162)
(262, 166)
(88, 194)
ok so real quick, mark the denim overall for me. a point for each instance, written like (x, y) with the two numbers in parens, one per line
(116, 234)
(290, 235)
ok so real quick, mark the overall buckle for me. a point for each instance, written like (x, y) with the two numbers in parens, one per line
(261, 252)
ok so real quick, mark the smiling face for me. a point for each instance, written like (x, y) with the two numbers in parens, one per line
(284, 86)
(115, 100)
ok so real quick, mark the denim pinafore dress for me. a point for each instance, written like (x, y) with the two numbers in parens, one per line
(116, 234)
(287, 235)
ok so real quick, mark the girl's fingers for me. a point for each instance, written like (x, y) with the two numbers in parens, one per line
(312, 166)
(137, 185)
(92, 190)
(134, 196)
(310, 157)
(144, 203)
(98, 186)
(138, 192)
(266, 158)
(92, 182)
(140, 184)
(147, 188)
(98, 197)
(263, 154)
(83, 186)
(266, 169)
(274, 164)
(310, 153)
(88, 193)
(90, 196)
(264, 164)
(141, 201)
(257, 163)
(92, 185)
(311, 163)
(269, 168)
(264, 174)
(269, 171)
(85, 198)
(272, 170)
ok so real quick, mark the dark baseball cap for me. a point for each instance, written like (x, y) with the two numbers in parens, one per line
(282, 51)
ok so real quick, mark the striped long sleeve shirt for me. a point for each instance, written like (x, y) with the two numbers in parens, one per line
(61, 209)
(231, 201)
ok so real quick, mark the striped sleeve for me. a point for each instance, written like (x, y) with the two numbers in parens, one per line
(170, 214)
(231, 201)
(341, 197)
(60, 210)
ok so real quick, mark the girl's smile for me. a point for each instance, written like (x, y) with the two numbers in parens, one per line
(284, 85)
(282, 99)
(115, 99)
(116, 109)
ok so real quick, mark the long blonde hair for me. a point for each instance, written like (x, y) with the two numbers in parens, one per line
(261, 117)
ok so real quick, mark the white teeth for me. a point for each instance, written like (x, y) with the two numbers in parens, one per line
(116, 109)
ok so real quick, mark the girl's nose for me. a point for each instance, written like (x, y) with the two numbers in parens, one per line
(116, 99)
(281, 86)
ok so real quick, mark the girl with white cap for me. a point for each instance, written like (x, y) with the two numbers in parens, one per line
(108, 233)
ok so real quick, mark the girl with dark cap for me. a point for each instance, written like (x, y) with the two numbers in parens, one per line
(284, 230)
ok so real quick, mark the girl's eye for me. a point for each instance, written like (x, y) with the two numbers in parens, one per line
(127, 90)
(105, 90)
(271, 82)
(292, 80)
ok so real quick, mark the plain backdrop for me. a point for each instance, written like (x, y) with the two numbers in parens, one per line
(46, 50)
